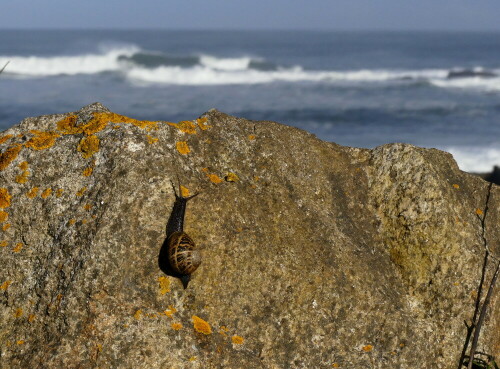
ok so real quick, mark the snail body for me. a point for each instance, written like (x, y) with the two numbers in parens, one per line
(183, 257)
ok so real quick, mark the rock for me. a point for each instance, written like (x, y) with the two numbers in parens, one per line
(314, 255)
(470, 73)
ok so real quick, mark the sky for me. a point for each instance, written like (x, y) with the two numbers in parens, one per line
(448, 15)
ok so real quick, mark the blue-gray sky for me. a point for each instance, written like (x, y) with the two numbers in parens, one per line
(453, 15)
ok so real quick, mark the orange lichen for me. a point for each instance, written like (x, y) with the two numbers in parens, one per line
(214, 178)
(223, 330)
(31, 318)
(46, 193)
(479, 212)
(456, 186)
(81, 191)
(367, 348)
(9, 155)
(176, 326)
(88, 146)
(59, 192)
(171, 311)
(4, 243)
(87, 207)
(88, 171)
(231, 177)
(24, 165)
(251, 137)
(84, 221)
(151, 139)
(202, 123)
(68, 125)
(20, 342)
(182, 147)
(335, 365)
(32, 193)
(138, 314)
(3, 216)
(5, 285)
(200, 325)
(164, 284)
(18, 247)
(5, 138)
(185, 126)
(23, 177)
(72, 221)
(184, 191)
(5, 227)
(18, 313)
(192, 358)
(238, 340)
(5, 197)
(42, 140)
(117, 118)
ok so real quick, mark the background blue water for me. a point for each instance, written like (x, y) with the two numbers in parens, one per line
(354, 88)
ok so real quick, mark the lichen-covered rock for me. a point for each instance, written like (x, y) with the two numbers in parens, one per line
(314, 255)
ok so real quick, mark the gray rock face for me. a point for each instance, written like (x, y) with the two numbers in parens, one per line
(314, 255)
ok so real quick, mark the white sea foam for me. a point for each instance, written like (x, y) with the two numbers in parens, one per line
(473, 83)
(475, 159)
(36, 66)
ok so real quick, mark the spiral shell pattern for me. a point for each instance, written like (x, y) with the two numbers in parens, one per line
(182, 254)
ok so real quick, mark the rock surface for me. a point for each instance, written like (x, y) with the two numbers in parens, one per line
(314, 255)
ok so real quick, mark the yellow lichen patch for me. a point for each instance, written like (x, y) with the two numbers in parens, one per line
(200, 325)
(68, 125)
(23, 165)
(95, 125)
(4, 243)
(87, 171)
(3, 216)
(251, 137)
(456, 186)
(18, 247)
(32, 193)
(42, 140)
(182, 147)
(223, 330)
(23, 177)
(81, 191)
(202, 123)
(9, 155)
(184, 191)
(72, 221)
(192, 358)
(171, 311)
(18, 313)
(46, 193)
(5, 197)
(185, 126)
(31, 318)
(5, 138)
(5, 285)
(117, 118)
(84, 221)
(238, 340)
(367, 348)
(479, 212)
(151, 139)
(59, 192)
(20, 342)
(164, 284)
(176, 326)
(87, 207)
(231, 177)
(138, 314)
(214, 178)
(335, 365)
(88, 146)
(5, 227)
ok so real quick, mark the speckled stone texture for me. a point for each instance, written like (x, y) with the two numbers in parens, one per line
(314, 255)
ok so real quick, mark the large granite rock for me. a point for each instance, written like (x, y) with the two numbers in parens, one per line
(314, 255)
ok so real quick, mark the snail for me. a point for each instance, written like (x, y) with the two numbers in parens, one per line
(183, 257)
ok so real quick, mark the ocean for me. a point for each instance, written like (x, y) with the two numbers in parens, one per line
(363, 89)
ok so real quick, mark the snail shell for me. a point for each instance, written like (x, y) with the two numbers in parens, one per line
(182, 254)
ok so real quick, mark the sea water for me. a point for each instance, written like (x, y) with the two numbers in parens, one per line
(359, 89)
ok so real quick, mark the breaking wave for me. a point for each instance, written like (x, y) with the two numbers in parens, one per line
(147, 67)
